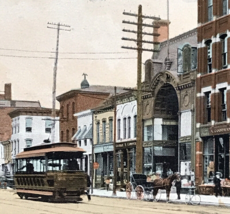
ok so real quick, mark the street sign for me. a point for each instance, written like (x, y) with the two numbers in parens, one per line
(95, 165)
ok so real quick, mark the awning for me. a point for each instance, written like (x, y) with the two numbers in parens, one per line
(89, 133)
(81, 135)
(76, 134)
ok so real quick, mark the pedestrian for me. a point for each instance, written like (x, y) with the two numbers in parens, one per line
(217, 188)
(107, 182)
(192, 175)
(178, 186)
(88, 187)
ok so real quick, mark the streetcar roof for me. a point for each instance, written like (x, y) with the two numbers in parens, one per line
(43, 149)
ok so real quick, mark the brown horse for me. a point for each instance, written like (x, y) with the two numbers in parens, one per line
(161, 183)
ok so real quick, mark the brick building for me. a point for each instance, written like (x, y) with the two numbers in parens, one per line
(7, 105)
(78, 100)
(213, 92)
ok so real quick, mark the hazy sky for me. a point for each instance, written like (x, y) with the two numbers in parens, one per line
(93, 45)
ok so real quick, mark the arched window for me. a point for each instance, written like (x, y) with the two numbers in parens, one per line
(73, 110)
(67, 135)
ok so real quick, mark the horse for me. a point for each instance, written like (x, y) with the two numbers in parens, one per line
(165, 183)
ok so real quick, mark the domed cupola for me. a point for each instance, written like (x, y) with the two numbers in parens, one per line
(84, 83)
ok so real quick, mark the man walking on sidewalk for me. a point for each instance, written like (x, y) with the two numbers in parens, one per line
(217, 188)
(88, 188)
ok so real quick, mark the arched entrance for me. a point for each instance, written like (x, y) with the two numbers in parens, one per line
(166, 130)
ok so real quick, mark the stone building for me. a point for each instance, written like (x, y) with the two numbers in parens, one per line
(78, 100)
(168, 106)
(212, 98)
(7, 105)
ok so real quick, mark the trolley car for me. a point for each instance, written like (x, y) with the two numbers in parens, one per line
(52, 171)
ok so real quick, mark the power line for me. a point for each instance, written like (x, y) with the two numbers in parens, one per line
(18, 56)
(31, 51)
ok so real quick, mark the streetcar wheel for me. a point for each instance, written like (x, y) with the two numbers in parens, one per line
(195, 200)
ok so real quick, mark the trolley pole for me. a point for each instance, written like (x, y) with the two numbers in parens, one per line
(139, 48)
(114, 144)
(57, 27)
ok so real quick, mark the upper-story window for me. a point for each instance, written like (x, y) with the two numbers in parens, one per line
(98, 132)
(110, 130)
(28, 124)
(67, 135)
(135, 126)
(224, 51)
(104, 130)
(73, 131)
(28, 143)
(48, 126)
(62, 136)
(208, 106)
(124, 128)
(119, 129)
(223, 92)
(209, 56)
(225, 7)
(85, 142)
(210, 10)
(73, 110)
(129, 127)
(67, 112)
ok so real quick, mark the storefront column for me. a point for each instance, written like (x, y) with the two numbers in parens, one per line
(199, 163)
(108, 173)
(128, 164)
(122, 168)
(214, 155)
(229, 154)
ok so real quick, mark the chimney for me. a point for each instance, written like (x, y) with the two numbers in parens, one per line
(8, 91)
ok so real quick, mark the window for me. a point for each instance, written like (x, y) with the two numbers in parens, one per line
(104, 130)
(85, 141)
(79, 143)
(62, 136)
(28, 124)
(129, 127)
(18, 146)
(110, 130)
(98, 132)
(225, 7)
(148, 130)
(73, 131)
(15, 147)
(62, 112)
(124, 128)
(209, 55)
(67, 112)
(73, 109)
(48, 126)
(28, 143)
(210, 10)
(224, 50)
(67, 135)
(118, 129)
(135, 126)
(223, 104)
(208, 106)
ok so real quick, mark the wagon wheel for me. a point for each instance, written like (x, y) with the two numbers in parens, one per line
(148, 194)
(140, 192)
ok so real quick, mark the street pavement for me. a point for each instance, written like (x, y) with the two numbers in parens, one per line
(205, 199)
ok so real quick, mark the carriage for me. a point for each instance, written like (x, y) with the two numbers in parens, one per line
(142, 189)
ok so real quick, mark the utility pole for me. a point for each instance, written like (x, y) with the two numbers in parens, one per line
(139, 48)
(114, 144)
(56, 27)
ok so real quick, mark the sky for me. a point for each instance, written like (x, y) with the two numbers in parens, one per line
(93, 46)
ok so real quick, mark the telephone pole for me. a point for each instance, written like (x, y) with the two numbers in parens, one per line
(139, 48)
(114, 143)
(58, 28)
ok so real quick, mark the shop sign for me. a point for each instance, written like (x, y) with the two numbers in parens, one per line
(219, 130)
(108, 148)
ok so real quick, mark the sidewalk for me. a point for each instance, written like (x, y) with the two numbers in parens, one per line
(205, 199)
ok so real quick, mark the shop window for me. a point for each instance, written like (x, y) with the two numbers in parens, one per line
(224, 50)
(209, 55)
(28, 124)
(98, 132)
(148, 160)
(124, 128)
(118, 129)
(135, 126)
(208, 106)
(170, 132)
(110, 130)
(104, 131)
(210, 10)
(185, 151)
(148, 130)
(208, 160)
(225, 7)
(223, 104)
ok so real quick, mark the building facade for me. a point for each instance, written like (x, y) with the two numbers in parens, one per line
(168, 106)
(213, 79)
(7, 105)
(30, 127)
